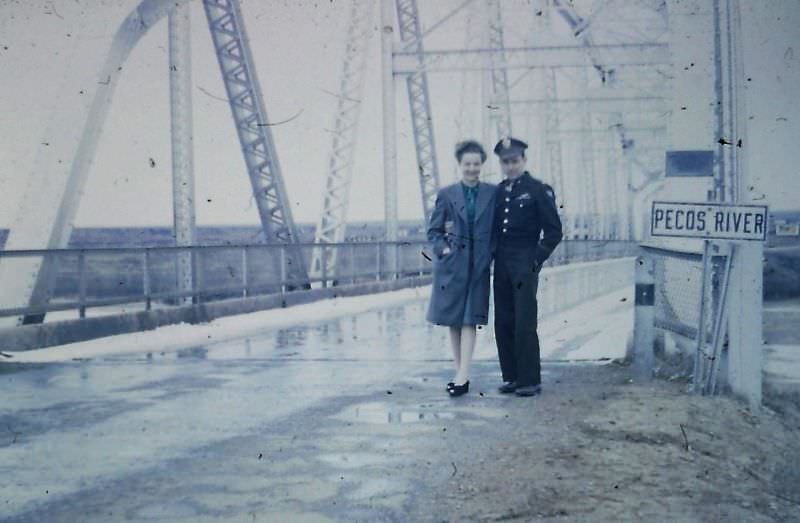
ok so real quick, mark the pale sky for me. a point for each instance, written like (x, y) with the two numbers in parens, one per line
(50, 51)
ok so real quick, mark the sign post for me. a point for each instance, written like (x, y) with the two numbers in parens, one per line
(736, 228)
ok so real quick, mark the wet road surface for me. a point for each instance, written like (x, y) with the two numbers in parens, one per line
(324, 422)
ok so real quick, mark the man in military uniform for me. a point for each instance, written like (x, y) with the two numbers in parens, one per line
(526, 230)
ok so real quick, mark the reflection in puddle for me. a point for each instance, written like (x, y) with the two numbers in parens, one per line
(291, 337)
(193, 352)
(383, 413)
(352, 460)
(177, 509)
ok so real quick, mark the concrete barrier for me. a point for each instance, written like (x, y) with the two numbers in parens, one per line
(568, 285)
(36, 336)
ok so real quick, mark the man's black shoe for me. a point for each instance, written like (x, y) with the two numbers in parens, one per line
(528, 390)
(507, 388)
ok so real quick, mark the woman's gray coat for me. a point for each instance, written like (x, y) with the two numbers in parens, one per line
(454, 300)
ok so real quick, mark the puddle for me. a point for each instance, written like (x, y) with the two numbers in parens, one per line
(352, 460)
(180, 509)
(376, 487)
(193, 352)
(382, 413)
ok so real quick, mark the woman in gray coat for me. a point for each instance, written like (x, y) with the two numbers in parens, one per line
(460, 231)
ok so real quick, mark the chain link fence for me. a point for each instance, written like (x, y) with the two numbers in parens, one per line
(689, 296)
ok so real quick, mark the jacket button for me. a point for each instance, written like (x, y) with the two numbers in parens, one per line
(508, 199)
(506, 209)
(505, 221)
(504, 229)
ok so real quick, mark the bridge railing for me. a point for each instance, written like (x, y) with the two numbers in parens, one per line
(99, 278)
(103, 277)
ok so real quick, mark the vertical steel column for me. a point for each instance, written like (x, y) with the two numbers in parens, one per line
(82, 284)
(180, 84)
(147, 291)
(469, 107)
(419, 100)
(389, 125)
(336, 196)
(500, 90)
(719, 109)
(611, 189)
(588, 225)
(235, 59)
(727, 71)
(555, 169)
(46, 214)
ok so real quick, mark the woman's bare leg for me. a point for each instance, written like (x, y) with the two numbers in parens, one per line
(468, 336)
(455, 344)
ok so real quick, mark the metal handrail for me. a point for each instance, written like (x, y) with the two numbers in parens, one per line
(244, 287)
(167, 248)
(380, 257)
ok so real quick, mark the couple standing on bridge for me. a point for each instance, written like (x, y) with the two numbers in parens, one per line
(516, 224)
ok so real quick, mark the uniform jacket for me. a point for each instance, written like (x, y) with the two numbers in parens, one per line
(458, 298)
(526, 216)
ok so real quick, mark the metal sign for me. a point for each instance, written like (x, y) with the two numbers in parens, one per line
(689, 163)
(709, 221)
(787, 229)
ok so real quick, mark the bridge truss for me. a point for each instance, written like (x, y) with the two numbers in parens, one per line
(47, 212)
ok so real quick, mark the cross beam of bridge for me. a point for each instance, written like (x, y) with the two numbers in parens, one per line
(619, 55)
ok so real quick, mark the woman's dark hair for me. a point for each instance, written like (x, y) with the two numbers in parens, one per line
(469, 146)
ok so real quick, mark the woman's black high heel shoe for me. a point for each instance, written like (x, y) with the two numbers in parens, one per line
(458, 390)
(450, 385)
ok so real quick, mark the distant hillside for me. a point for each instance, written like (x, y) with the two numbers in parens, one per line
(102, 237)
(97, 237)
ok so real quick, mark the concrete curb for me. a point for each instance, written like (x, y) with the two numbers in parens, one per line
(29, 337)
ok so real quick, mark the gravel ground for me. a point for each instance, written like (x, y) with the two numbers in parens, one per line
(596, 446)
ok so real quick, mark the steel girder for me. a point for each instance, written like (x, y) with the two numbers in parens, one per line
(183, 194)
(419, 101)
(467, 116)
(46, 215)
(235, 59)
(499, 72)
(588, 190)
(569, 55)
(333, 220)
(648, 81)
(555, 169)
(727, 67)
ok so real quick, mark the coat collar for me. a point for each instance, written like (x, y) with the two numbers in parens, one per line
(524, 177)
(481, 203)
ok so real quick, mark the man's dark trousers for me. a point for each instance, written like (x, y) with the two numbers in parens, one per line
(515, 314)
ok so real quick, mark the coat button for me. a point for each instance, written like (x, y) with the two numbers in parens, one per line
(504, 229)
(505, 221)
(506, 209)
(508, 199)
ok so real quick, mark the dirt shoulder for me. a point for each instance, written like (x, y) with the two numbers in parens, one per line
(596, 446)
